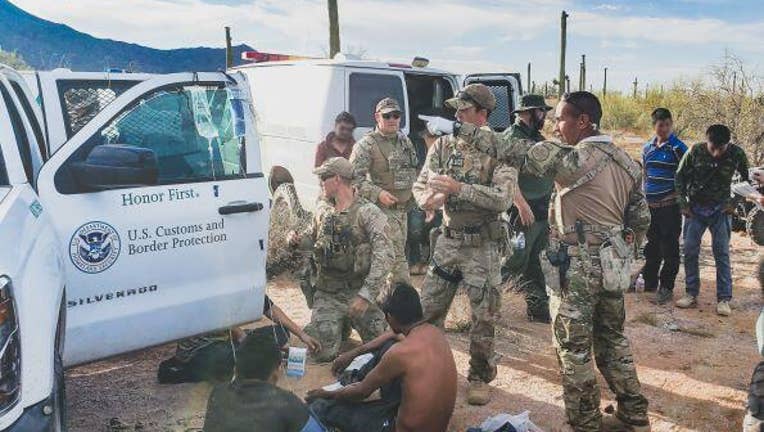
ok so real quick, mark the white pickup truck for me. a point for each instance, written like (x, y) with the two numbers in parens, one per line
(132, 214)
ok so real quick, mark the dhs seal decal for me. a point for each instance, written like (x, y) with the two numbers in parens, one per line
(94, 247)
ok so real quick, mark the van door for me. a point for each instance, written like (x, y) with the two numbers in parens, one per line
(161, 210)
(506, 88)
(366, 87)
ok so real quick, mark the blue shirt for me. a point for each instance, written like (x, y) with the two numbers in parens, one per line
(660, 165)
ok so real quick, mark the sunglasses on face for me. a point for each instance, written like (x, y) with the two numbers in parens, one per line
(325, 177)
(345, 128)
(392, 115)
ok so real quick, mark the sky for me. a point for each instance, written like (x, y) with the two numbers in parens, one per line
(655, 41)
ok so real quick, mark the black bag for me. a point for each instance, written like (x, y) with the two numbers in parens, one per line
(213, 362)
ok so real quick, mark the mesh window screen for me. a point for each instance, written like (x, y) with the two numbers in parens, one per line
(83, 100)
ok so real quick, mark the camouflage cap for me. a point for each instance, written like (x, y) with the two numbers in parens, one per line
(336, 166)
(474, 95)
(387, 105)
(532, 101)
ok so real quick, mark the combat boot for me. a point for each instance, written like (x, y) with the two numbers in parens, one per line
(687, 301)
(478, 393)
(612, 423)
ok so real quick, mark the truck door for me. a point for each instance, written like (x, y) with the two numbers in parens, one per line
(366, 87)
(160, 206)
(506, 88)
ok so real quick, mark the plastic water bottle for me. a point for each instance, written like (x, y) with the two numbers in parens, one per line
(519, 241)
(639, 285)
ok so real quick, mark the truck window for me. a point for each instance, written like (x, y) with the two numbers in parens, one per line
(81, 100)
(32, 118)
(191, 130)
(366, 89)
(22, 140)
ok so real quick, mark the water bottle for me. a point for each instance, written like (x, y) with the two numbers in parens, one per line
(518, 242)
(639, 285)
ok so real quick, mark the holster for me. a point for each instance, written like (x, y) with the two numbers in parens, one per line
(560, 259)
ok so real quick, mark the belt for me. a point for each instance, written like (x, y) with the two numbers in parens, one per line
(592, 228)
(458, 233)
(663, 203)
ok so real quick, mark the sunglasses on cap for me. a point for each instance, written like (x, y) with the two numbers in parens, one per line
(391, 115)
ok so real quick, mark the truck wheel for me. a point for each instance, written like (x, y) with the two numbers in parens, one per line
(755, 226)
(287, 214)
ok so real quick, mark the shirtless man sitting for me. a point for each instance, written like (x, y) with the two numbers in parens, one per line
(419, 359)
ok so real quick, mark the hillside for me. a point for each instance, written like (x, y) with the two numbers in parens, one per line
(47, 45)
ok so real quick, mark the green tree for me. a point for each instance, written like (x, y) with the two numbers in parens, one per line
(13, 60)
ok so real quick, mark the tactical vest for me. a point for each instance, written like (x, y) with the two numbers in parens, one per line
(466, 165)
(393, 169)
(342, 251)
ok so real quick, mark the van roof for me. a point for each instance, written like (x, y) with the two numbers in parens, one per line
(368, 64)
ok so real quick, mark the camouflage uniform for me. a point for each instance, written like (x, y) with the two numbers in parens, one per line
(388, 163)
(353, 255)
(600, 186)
(467, 249)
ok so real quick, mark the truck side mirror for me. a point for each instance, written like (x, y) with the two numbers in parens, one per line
(115, 166)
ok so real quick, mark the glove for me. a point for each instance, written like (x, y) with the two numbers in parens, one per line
(438, 125)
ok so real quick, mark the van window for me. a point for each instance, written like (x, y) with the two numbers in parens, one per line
(22, 140)
(366, 89)
(501, 117)
(81, 100)
(31, 117)
(191, 130)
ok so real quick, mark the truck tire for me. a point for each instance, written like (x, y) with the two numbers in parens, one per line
(287, 214)
(755, 226)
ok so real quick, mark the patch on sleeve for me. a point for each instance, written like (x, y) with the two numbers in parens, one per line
(539, 153)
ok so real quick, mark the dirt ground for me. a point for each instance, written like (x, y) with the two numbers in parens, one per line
(694, 366)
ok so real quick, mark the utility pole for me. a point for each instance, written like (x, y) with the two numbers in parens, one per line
(563, 43)
(533, 87)
(334, 29)
(583, 72)
(228, 48)
(604, 84)
(546, 89)
(528, 88)
(566, 84)
(635, 83)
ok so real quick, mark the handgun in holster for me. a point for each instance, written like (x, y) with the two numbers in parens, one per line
(561, 260)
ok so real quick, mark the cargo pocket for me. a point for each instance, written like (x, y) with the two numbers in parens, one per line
(551, 273)
(616, 269)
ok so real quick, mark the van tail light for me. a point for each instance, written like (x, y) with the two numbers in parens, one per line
(10, 347)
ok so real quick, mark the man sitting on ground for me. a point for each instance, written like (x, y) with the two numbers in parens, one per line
(252, 402)
(416, 356)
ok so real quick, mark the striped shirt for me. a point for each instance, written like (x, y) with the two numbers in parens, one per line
(660, 164)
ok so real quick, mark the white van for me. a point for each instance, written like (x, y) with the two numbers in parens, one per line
(142, 220)
(296, 103)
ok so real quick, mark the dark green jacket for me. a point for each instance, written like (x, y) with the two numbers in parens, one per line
(703, 180)
(532, 187)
